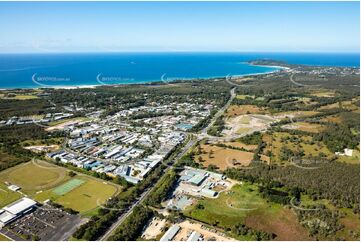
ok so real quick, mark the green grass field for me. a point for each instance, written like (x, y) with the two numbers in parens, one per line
(230, 207)
(3, 238)
(67, 187)
(62, 121)
(83, 198)
(243, 204)
(354, 159)
(41, 181)
(34, 176)
(7, 196)
(20, 97)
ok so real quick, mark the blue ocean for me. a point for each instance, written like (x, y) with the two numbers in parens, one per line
(56, 70)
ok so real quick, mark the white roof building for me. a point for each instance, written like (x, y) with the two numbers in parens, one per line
(15, 210)
(171, 233)
(20, 206)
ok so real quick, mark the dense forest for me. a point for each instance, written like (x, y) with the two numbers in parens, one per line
(11, 151)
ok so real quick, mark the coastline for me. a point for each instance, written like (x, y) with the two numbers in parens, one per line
(279, 68)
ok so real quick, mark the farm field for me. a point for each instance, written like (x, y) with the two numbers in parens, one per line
(243, 204)
(81, 192)
(223, 157)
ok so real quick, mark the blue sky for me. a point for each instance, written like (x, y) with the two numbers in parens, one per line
(179, 26)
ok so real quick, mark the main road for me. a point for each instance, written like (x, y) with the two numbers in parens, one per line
(190, 143)
(204, 133)
(184, 150)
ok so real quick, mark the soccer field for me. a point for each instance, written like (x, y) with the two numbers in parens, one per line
(34, 176)
(41, 181)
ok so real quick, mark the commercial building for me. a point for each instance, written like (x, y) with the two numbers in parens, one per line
(15, 210)
(195, 236)
(171, 233)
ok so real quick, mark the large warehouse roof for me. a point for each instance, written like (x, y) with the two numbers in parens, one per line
(5, 217)
(20, 206)
(169, 235)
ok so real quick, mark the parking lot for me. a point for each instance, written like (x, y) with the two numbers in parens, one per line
(44, 223)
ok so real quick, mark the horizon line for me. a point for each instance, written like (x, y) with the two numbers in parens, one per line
(185, 51)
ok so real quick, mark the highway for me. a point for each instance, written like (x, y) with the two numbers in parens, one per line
(220, 112)
(125, 215)
(184, 150)
(144, 195)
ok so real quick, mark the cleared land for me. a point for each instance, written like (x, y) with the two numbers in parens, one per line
(59, 125)
(241, 145)
(282, 115)
(242, 204)
(235, 110)
(223, 157)
(307, 127)
(155, 228)
(350, 105)
(19, 97)
(242, 97)
(246, 123)
(354, 159)
(209, 234)
(323, 93)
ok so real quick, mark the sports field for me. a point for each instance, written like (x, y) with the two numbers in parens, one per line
(88, 195)
(41, 181)
(68, 186)
(34, 176)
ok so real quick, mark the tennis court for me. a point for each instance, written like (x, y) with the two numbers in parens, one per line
(68, 186)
